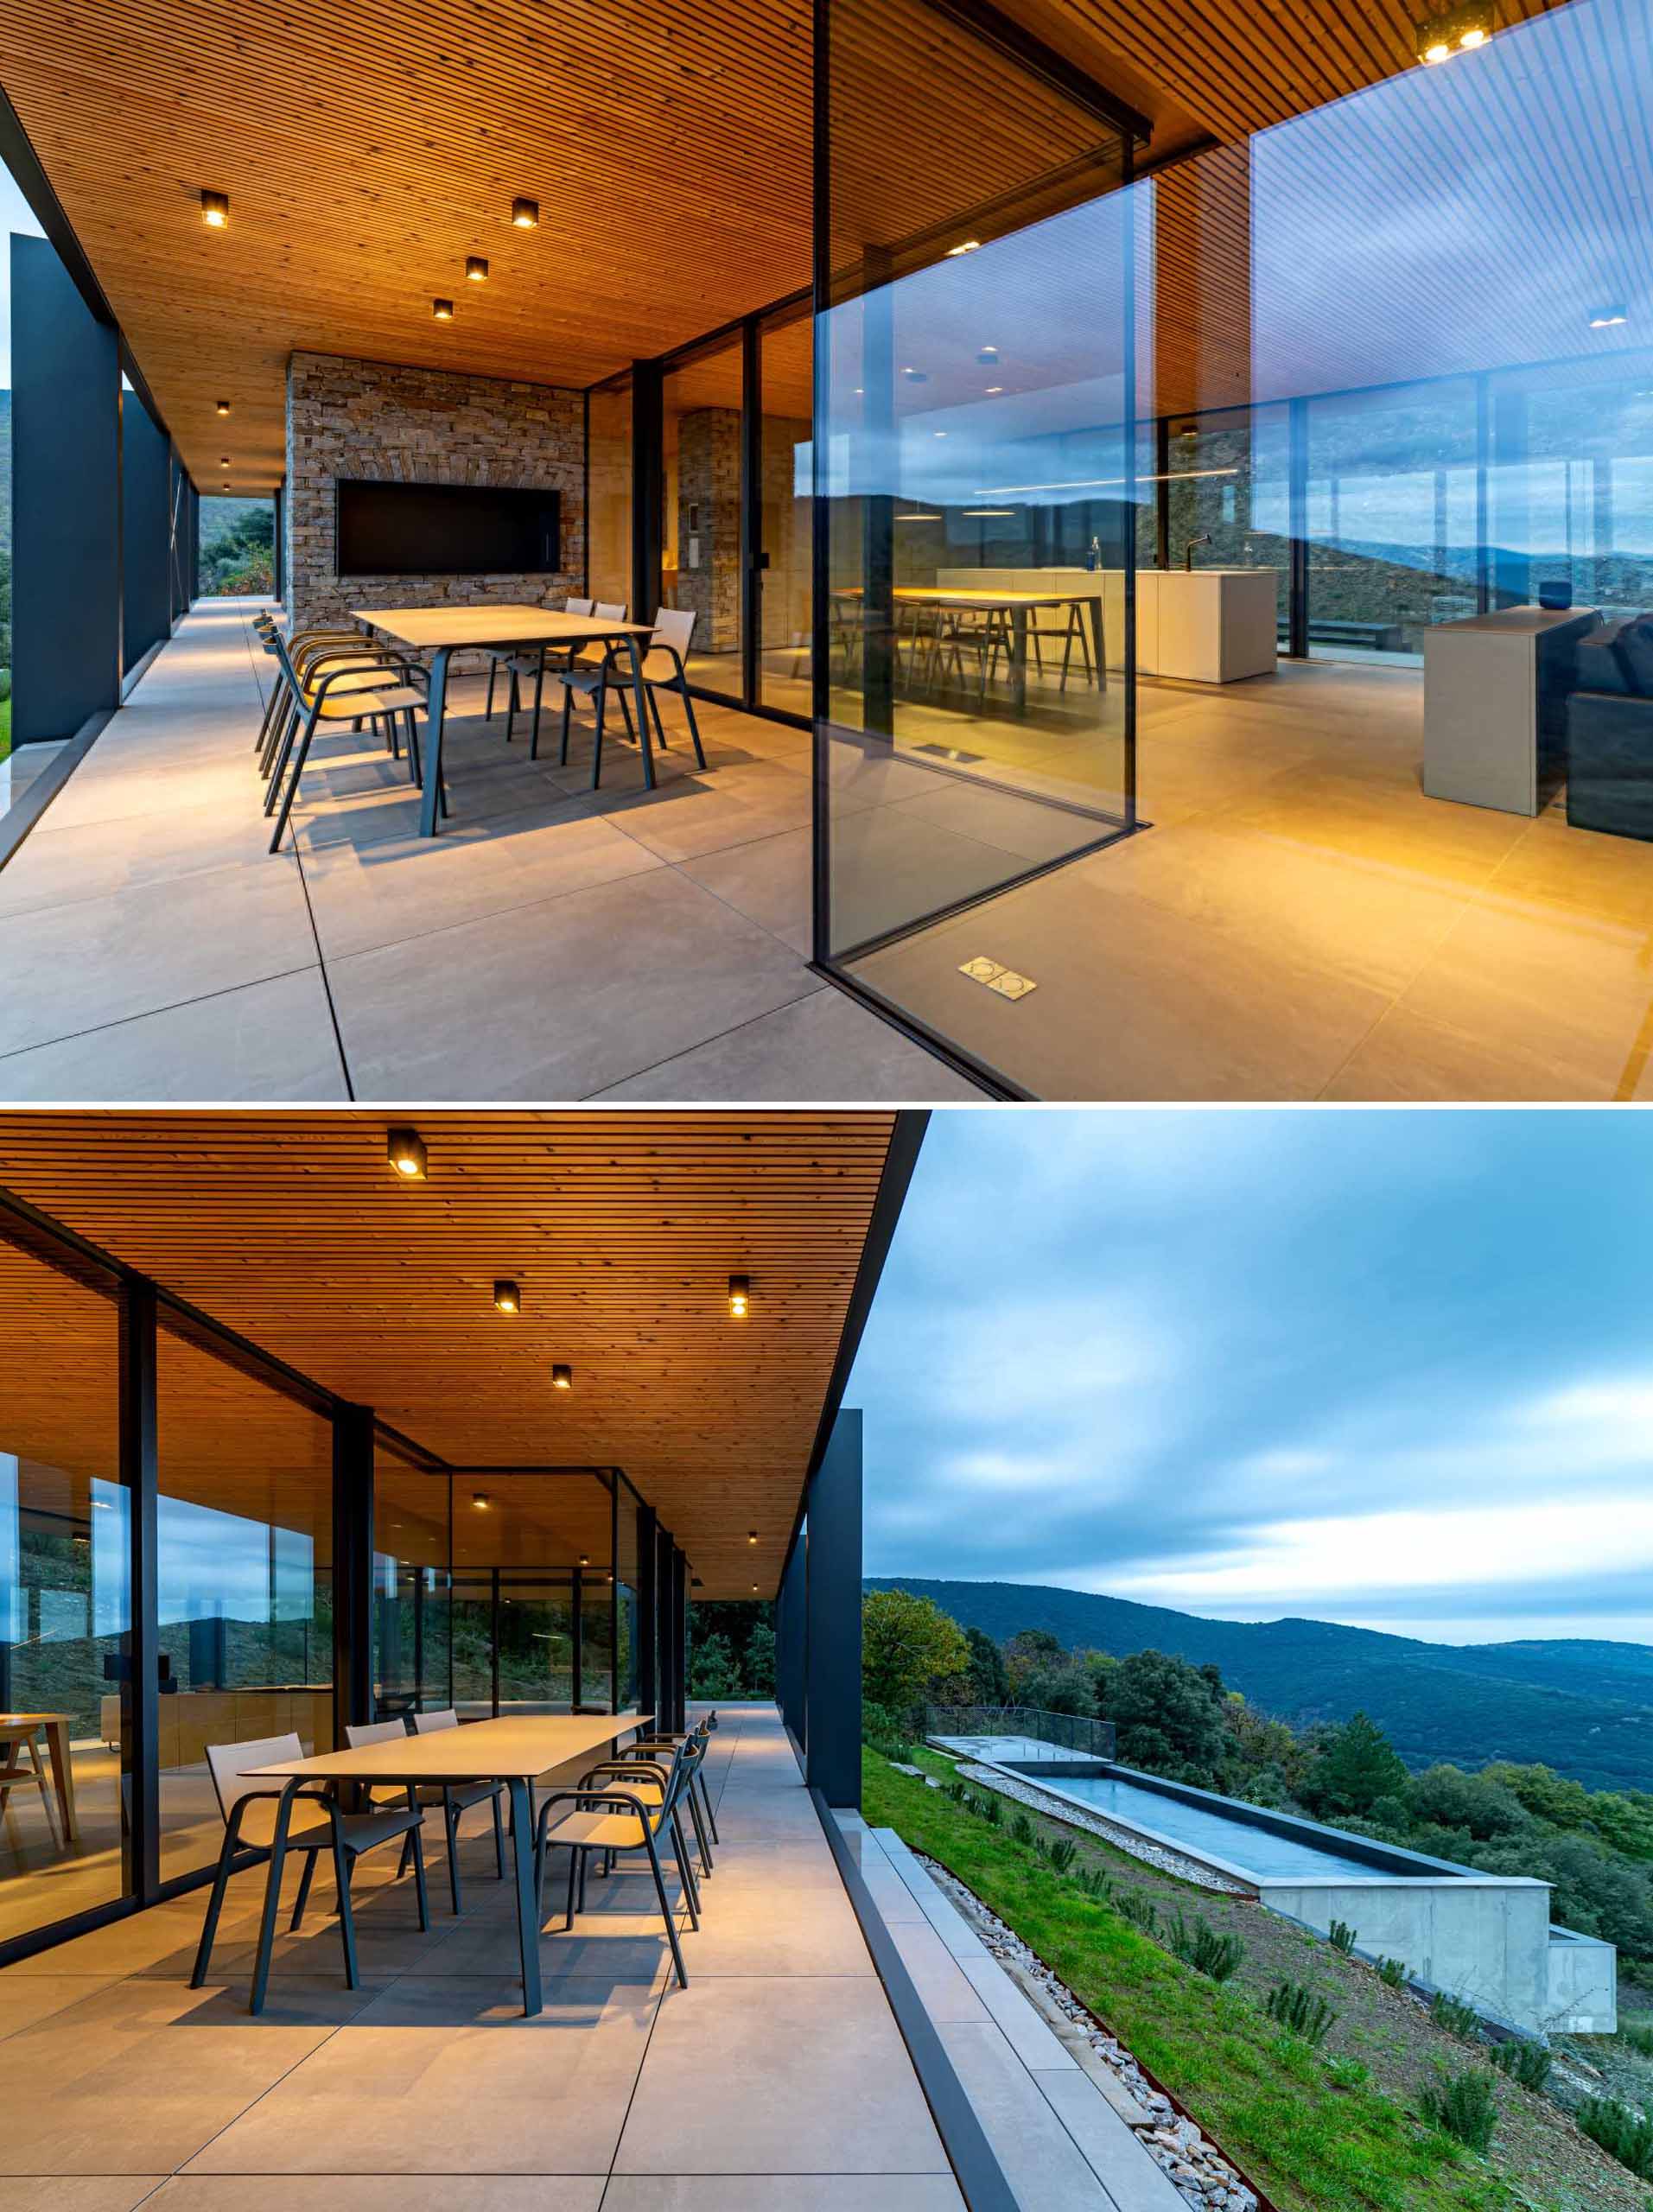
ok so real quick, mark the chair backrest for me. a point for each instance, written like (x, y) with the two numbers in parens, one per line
(357, 1732)
(674, 626)
(228, 1764)
(577, 607)
(608, 613)
(425, 1723)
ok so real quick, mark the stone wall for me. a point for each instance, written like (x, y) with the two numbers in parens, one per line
(709, 525)
(372, 419)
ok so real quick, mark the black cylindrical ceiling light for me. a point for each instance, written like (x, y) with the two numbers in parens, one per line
(216, 210)
(442, 310)
(507, 1296)
(740, 1297)
(525, 214)
(405, 1150)
(476, 268)
(561, 1376)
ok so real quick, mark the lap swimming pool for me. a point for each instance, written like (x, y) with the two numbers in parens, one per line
(1251, 1850)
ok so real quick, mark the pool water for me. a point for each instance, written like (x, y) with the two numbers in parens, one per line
(1258, 1851)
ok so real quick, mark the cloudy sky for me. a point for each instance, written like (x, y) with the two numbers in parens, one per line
(1391, 1370)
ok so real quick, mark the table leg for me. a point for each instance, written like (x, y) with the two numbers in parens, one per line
(1019, 657)
(1097, 641)
(434, 712)
(642, 692)
(272, 1897)
(522, 1832)
(57, 1741)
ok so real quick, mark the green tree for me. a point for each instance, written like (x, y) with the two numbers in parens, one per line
(712, 1671)
(1064, 1686)
(1358, 1766)
(989, 1677)
(909, 1647)
(760, 1666)
(1168, 1715)
(1446, 1797)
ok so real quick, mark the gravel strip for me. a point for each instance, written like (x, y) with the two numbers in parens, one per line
(1195, 2168)
(1127, 1839)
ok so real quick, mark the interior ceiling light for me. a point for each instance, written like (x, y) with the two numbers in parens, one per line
(561, 1376)
(994, 388)
(1454, 30)
(225, 462)
(476, 268)
(1607, 318)
(964, 245)
(216, 210)
(585, 1558)
(751, 1535)
(915, 376)
(983, 513)
(507, 1296)
(916, 516)
(405, 1150)
(525, 213)
(442, 310)
(740, 1297)
(480, 1500)
(223, 406)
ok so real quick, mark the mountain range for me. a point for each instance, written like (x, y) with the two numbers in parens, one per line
(1584, 1707)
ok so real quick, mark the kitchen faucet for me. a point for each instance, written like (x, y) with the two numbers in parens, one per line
(1188, 551)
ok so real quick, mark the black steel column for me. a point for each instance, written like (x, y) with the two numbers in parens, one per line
(66, 507)
(791, 1644)
(1162, 491)
(352, 1567)
(140, 1691)
(879, 449)
(648, 1627)
(1297, 527)
(577, 1653)
(679, 1638)
(278, 547)
(832, 1688)
(754, 558)
(147, 492)
(495, 1615)
(648, 487)
(613, 1594)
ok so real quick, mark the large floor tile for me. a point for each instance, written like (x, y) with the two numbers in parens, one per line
(449, 2192)
(1041, 2160)
(443, 2076)
(801, 2193)
(822, 1047)
(128, 2076)
(25, 1999)
(77, 967)
(76, 2192)
(709, 812)
(768, 881)
(560, 1000)
(797, 2057)
(264, 1043)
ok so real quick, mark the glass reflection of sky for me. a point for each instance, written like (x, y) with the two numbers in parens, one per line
(211, 1562)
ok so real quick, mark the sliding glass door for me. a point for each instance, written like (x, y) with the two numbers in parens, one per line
(703, 537)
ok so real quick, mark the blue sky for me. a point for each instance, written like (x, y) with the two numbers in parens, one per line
(1388, 1369)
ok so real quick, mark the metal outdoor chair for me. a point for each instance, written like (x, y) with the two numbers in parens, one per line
(662, 670)
(322, 1826)
(699, 1802)
(384, 689)
(461, 1799)
(616, 1817)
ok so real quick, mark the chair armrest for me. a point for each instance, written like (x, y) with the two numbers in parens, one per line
(623, 1766)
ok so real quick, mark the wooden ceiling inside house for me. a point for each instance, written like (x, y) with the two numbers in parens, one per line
(621, 1229)
(368, 151)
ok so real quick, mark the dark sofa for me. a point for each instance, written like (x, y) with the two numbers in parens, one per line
(1609, 730)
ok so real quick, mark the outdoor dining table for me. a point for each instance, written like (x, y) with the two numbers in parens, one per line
(512, 1751)
(444, 631)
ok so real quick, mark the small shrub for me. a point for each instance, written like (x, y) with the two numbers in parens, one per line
(1347, 2073)
(1452, 2014)
(1638, 2034)
(1622, 2134)
(957, 1791)
(1462, 2106)
(1096, 1883)
(992, 1809)
(1526, 2062)
(1299, 2010)
(1140, 1911)
(1341, 1936)
(1062, 1854)
(1200, 1947)
(1021, 1829)
(1392, 1971)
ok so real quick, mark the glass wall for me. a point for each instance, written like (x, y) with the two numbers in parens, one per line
(1220, 494)
(64, 1600)
(702, 565)
(413, 1629)
(245, 1580)
(786, 568)
(608, 494)
(237, 547)
(532, 1605)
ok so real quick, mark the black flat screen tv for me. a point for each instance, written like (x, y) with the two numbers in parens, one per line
(446, 530)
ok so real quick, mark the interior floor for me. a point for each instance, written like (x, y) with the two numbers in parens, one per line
(1300, 922)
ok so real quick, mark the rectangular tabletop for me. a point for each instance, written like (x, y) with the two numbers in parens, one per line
(484, 1750)
(448, 627)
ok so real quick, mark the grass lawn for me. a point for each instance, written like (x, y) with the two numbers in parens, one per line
(5, 727)
(1265, 2096)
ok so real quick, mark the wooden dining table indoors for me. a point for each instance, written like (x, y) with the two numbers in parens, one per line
(514, 1752)
(444, 631)
(1015, 609)
(20, 1725)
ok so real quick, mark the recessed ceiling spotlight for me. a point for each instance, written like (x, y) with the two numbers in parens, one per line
(507, 1296)
(223, 406)
(751, 1535)
(442, 310)
(1607, 318)
(1454, 30)
(480, 1500)
(225, 462)
(476, 268)
(585, 1558)
(405, 1150)
(740, 1297)
(216, 210)
(561, 1376)
(525, 213)
(994, 388)
(964, 245)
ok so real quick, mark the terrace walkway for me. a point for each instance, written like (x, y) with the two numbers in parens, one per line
(553, 944)
(779, 2077)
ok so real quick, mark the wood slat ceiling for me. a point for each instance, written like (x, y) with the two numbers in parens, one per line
(622, 1228)
(368, 149)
